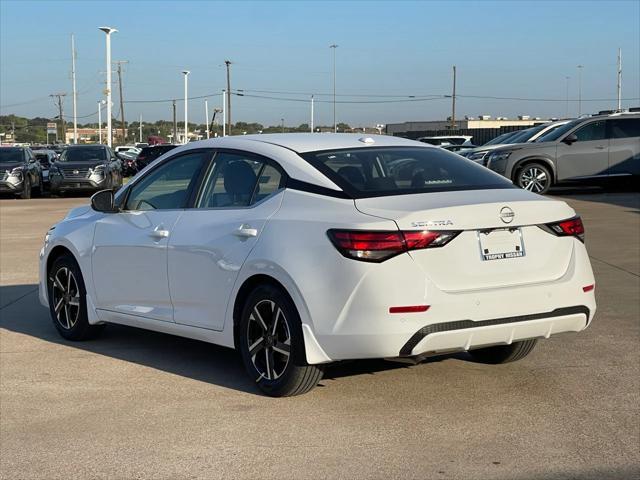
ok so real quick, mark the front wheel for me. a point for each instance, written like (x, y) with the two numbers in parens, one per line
(504, 353)
(272, 346)
(26, 188)
(534, 177)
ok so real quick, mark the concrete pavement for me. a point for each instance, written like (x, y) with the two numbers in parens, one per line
(137, 404)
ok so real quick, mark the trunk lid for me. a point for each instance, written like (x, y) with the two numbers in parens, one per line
(483, 216)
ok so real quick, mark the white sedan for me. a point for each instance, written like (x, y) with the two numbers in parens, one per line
(303, 249)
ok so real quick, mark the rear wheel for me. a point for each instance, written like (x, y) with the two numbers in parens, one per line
(272, 346)
(67, 300)
(504, 353)
(534, 177)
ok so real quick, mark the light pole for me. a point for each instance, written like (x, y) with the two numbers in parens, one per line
(186, 105)
(335, 125)
(108, 31)
(580, 67)
(100, 121)
(206, 116)
(567, 107)
(311, 125)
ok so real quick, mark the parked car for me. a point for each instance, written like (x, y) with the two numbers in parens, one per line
(128, 148)
(20, 172)
(592, 148)
(45, 158)
(480, 154)
(447, 140)
(458, 148)
(302, 249)
(129, 165)
(149, 154)
(85, 168)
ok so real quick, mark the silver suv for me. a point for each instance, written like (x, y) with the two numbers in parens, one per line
(596, 147)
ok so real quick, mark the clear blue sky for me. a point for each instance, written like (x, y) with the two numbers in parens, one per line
(503, 49)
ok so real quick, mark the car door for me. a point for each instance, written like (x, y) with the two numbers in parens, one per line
(624, 146)
(129, 259)
(588, 156)
(211, 242)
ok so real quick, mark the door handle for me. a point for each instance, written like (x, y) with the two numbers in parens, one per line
(159, 233)
(246, 231)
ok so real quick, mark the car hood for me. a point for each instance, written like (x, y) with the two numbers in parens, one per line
(80, 165)
(9, 166)
(78, 211)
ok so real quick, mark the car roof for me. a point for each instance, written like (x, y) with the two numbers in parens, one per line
(309, 142)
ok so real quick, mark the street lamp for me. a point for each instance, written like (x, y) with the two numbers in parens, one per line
(186, 105)
(567, 112)
(335, 125)
(100, 104)
(108, 31)
(580, 67)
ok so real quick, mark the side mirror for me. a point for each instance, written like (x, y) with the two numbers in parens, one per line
(103, 201)
(570, 139)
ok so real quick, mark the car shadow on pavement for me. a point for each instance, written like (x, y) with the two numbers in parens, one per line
(622, 195)
(21, 312)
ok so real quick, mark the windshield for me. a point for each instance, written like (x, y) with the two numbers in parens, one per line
(500, 138)
(11, 155)
(83, 155)
(373, 172)
(558, 132)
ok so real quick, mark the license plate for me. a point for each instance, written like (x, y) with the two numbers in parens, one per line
(500, 244)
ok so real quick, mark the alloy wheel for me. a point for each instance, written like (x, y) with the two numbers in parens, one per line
(534, 179)
(268, 340)
(66, 297)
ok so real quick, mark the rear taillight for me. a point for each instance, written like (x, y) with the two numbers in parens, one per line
(572, 227)
(378, 246)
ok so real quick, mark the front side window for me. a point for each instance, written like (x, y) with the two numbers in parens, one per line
(625, 128)
(592, 131)
(371, 172)
(238, 180)
(168, 186)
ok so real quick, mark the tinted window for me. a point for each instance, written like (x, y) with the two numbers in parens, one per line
(82, 154)
(367, 172)
(238, 180)
(592, 131)
(11, 155)
(500, 138)
(625, 128)
(559, 132)
(169, 185)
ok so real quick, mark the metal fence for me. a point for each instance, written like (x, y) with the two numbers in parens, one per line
(480, 135)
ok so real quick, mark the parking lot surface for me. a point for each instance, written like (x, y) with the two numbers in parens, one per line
(138, 404)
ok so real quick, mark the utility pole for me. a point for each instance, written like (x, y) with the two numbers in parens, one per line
(567, 106)
(58, 102)
(224, 113)
(580, 67)
(73, 86)
(175, 124)
(282, 121)
(453, 101)
(124, 129)
(140, 127)
(186, 105)
(335, 125)
(311, 124)
(619, 79)
(206, 116)
(228, 107)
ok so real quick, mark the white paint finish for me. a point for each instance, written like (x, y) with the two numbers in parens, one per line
(130, 263)
(206, 252)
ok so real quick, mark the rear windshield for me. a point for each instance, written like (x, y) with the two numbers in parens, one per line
(372, 172)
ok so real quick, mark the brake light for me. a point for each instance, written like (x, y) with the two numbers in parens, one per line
(572, 227)
(409, 309)
(588, 288)
(378, 246)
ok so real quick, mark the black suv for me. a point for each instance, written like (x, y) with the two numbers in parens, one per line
(19, 171)
(86, 168)
(149, 154)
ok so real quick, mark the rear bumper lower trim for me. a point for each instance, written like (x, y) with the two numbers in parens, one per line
(417, 337)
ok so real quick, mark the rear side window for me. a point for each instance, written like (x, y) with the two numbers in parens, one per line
(592, 131)
(371, 172)
(625, 128)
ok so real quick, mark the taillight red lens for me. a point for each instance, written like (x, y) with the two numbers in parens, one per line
(377, 246)
(572, 227)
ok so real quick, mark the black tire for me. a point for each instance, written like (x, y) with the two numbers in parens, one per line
(26, 188)
(40, 190)
(535, 177)
(504, 353)
(276, 374)
(69, 312)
